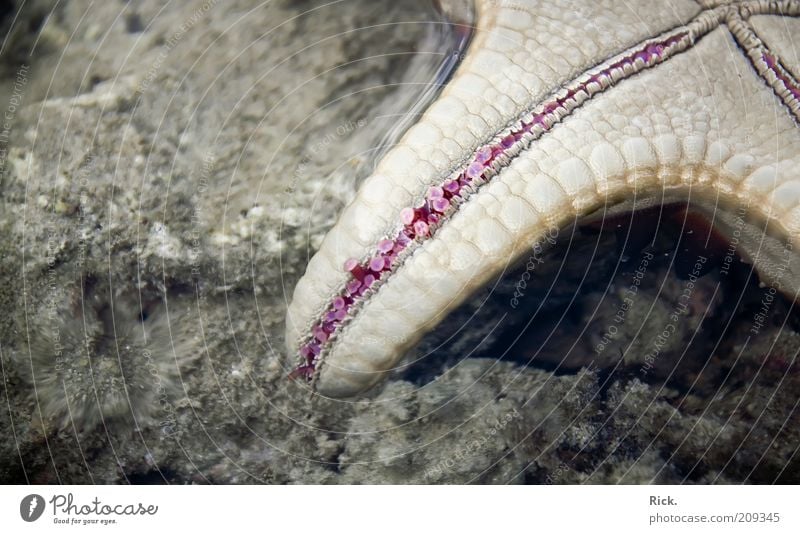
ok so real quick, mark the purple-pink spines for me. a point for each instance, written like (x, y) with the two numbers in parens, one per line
(305, 371)
(440, 204)
(421, 228)
(674, 39)
(475, 169)
(377, 263)
(353, 286)
(321, 336)
(780, 72)
(305, 352)
(644, 56)
(597, 78)
(407, 215)
(350, 265)
(654, 50)
(385, 245)
(369, 280)
(402, 241)
(508, 141)
(451, 186)
(539, 119)
(339, 315)
(435, 192)
(358, 271)
(550, 107)
(484, 154)
(338, 303)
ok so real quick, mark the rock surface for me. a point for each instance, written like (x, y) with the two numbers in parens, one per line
(168, 173)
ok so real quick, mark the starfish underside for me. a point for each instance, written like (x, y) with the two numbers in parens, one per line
(559, 111)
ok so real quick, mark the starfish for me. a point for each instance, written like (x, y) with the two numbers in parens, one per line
(559, 110)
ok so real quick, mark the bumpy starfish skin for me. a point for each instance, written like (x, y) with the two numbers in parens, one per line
(561, 109)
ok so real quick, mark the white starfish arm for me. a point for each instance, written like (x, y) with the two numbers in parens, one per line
(677, 110)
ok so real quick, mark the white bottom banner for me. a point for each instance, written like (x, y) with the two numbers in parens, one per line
(388, 509)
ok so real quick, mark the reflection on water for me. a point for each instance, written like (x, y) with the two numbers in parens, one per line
(447, 35)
